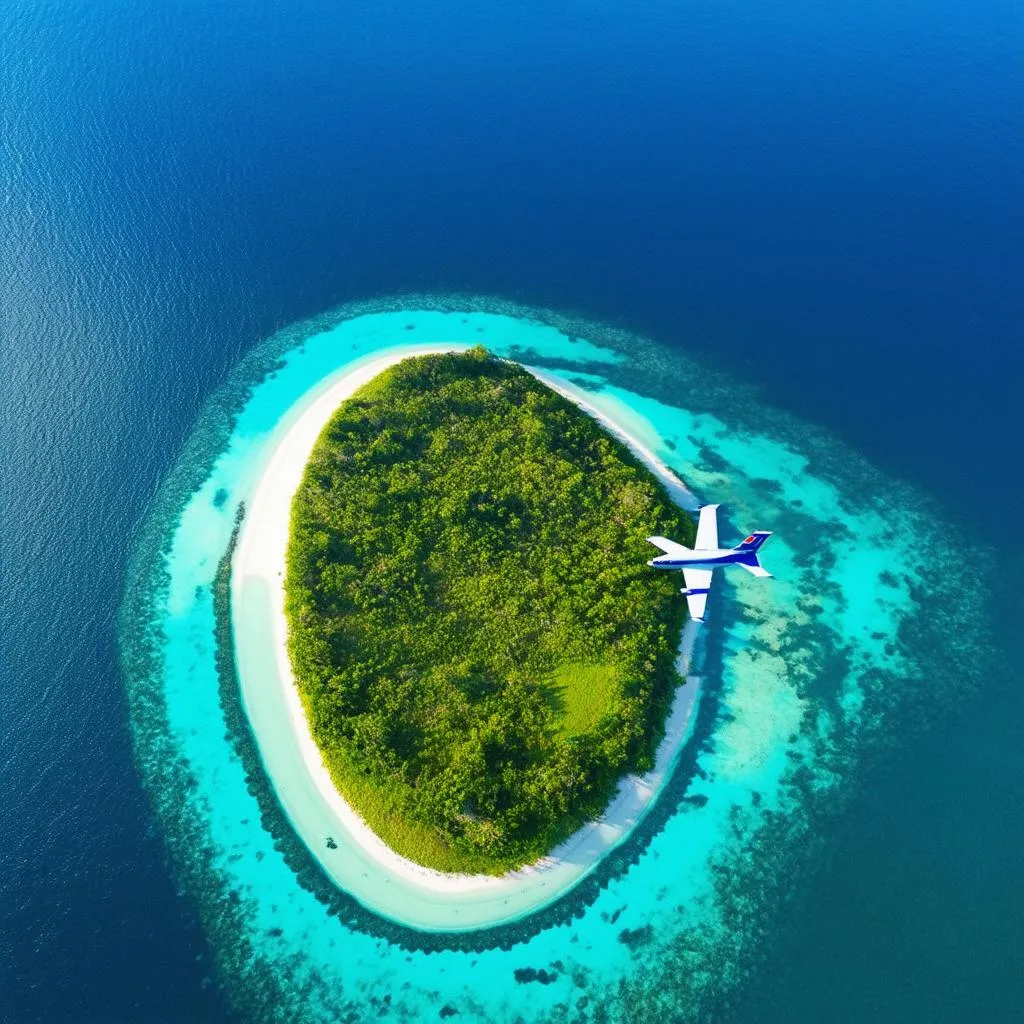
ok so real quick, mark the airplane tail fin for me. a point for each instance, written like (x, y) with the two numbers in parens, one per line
(749, 549)
(753, 542)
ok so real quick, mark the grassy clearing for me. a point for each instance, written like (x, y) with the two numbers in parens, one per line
(581, 696)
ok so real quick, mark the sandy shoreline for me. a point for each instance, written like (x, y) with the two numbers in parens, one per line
(288, 749)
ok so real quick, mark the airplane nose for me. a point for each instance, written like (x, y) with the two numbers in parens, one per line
(651, 563)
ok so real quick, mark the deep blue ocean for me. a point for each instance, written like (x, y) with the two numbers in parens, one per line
(825, 199)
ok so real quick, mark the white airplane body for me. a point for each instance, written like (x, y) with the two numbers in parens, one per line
(698, 563)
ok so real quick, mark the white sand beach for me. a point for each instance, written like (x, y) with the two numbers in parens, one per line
(350, 853)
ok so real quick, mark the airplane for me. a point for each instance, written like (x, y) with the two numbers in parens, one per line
(697, 563)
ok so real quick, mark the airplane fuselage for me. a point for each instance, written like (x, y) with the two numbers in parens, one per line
(699, 559)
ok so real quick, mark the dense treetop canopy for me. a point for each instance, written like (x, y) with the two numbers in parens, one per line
(480, 646)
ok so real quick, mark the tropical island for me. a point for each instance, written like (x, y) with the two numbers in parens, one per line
(478, 645)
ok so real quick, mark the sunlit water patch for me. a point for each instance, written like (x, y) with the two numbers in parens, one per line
(806, 675)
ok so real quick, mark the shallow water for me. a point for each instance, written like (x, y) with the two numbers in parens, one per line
(806, 677)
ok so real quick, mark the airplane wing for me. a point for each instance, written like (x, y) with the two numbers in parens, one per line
(670, 547)
(698, 584)
(707, 529)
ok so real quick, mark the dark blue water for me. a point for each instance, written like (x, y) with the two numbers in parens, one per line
(828, 199)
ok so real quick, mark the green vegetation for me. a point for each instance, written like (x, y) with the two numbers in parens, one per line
(581, 694)
(480, 646)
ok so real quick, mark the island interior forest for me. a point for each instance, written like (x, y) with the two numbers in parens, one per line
(480, 646)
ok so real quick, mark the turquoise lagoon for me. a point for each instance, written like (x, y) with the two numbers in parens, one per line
(806, 680)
